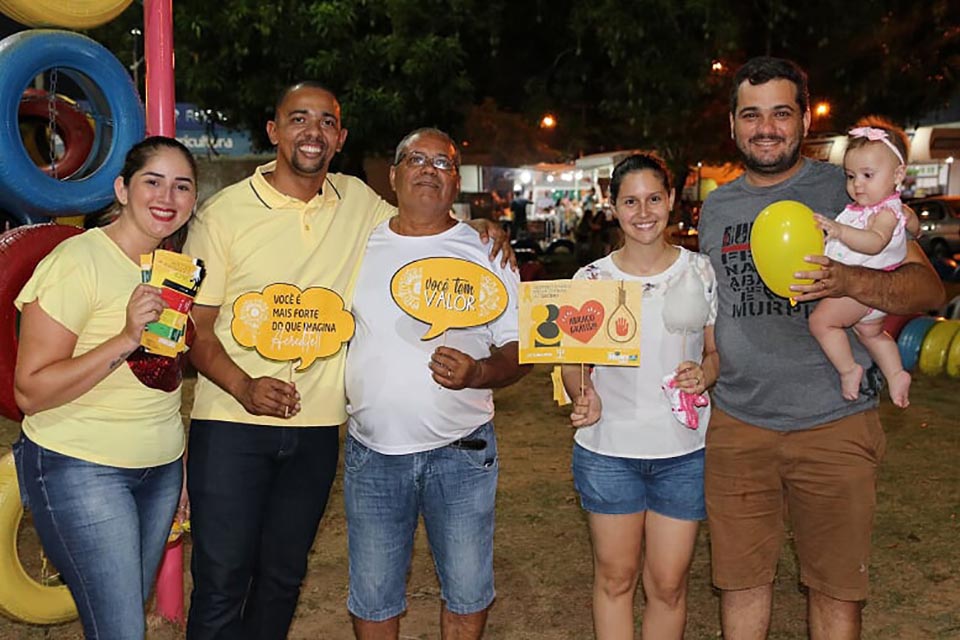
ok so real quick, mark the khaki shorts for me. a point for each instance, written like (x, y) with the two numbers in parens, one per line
(822, 480)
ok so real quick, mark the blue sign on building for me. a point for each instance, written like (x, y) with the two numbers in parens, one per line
(204, 132)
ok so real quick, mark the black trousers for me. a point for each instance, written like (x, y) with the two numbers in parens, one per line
(257, 494)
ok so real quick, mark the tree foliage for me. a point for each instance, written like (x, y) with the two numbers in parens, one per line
(616, 74)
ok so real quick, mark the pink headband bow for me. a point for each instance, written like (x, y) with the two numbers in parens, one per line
(877, 135)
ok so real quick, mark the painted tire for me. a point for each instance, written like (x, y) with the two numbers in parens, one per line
(24, 189)
(953, 357)
(911, 339)
(893, 324)
(75, 14)
(933, 351)
(22, 597)
(71, 124)
(21, 249)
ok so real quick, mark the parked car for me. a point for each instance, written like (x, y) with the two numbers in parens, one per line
(939, 225)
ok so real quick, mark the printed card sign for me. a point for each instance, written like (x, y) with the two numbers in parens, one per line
(448, 293)
(178, 277)
(284, 323)
(580, 321)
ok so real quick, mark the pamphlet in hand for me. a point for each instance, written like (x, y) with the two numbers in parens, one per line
(178, 277)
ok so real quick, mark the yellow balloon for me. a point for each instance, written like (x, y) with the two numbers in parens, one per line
(783, 234)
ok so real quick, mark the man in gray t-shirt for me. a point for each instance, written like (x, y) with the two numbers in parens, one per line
(782, 438)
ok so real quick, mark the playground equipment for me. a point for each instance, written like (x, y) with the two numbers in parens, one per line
(931, 345)
(70, 124)
(26, 189)
(75, 14)
(31, 195)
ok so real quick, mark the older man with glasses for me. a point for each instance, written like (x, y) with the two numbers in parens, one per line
(420, 433)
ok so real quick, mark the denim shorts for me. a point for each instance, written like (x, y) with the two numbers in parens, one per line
(455, 490)
(672, 487)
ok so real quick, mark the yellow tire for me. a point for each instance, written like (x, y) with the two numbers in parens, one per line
(21, 597)
(953, 357)
(75, 14)
(936, 344)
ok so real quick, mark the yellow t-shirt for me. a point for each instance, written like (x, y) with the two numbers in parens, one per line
(249, 236)
(84, 284)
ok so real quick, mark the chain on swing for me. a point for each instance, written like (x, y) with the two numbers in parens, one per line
(52, 121)
(48, 573)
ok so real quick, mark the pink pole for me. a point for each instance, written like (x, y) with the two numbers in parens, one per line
(158, 52)
(170, 583)
(161, 120)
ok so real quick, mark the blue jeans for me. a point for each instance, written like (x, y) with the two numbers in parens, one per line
(257, 494)
(104, 528)
(455, 489)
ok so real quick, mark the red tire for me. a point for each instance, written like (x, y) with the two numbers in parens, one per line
(71, 124)
(893, 324)
(21, 249)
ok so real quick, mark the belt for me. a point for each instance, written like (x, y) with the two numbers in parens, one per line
(470, 444)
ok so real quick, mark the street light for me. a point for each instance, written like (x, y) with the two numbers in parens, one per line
(136, 59)
(699, 175)
(548, 121)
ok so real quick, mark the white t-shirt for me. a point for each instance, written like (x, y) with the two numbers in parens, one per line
(395, 406)
(636, 421)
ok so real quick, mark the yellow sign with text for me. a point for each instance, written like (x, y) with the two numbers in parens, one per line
(448, 293)
(284, 323)
(580, 321)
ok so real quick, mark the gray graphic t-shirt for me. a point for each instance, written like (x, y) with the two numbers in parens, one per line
(773, 373)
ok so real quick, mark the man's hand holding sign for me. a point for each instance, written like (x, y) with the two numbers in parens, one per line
(450, 293)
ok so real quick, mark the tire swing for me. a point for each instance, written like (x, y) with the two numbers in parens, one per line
(70, 123)
(22, 597)
(25, 190)
(21, 249)
(75, 14)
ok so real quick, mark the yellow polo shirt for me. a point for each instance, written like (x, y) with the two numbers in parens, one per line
(84, 284)
(249, 236)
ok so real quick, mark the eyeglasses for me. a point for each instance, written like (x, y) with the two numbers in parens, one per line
(415, 160)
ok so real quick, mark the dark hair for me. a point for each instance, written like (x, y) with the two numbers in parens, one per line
(305, 84)
(139, 155)
(402, 146)
(763, 69)
(895, 134)
(645, 161)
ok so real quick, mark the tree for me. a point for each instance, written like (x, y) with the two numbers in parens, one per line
(646, 73)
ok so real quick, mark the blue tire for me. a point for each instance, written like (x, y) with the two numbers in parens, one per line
(25, 190)
(911, 339)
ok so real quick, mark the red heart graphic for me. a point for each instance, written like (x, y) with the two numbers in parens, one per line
(581, 324)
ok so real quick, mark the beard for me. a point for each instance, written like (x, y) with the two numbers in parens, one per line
(770, 166)
(307, 166)
(312, 166)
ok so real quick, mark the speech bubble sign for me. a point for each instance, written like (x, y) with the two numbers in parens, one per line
(284, 323)
(448, 293)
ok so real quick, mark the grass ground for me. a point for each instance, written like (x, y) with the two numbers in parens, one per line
(543, 562)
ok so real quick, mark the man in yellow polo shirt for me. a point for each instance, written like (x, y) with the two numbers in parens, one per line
(263, 437)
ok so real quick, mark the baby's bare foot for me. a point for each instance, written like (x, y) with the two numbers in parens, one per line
(850, 382)
(900, 389)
